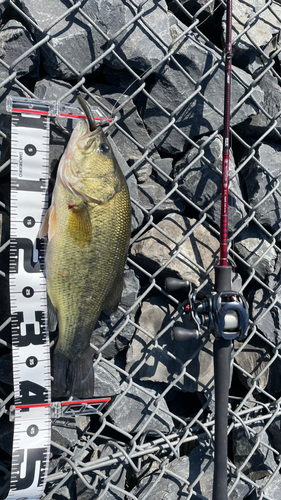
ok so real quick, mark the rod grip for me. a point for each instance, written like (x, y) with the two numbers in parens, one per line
(222, 356)
(223, 278)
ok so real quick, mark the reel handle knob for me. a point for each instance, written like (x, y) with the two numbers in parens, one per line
(180, 334)
(173, 284)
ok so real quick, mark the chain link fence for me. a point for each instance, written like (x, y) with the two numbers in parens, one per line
(155, 67)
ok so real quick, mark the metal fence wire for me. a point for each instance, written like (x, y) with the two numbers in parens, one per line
(156, 68)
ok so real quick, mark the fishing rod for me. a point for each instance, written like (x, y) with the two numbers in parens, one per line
(225, 311)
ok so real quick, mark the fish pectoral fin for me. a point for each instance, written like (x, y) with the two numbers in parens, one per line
(52, 315)
(79, 224)
(45, 224)
(49, 223)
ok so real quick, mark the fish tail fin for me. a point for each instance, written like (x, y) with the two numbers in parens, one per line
(80, 381)
(60, 369)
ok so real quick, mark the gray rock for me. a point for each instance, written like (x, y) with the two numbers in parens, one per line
(260, 123)
(164, 362)
(169, 487)
(6, 435)
(109, 488)
(107, 380)
(71, 37)
(132, 410)
(6, 369)
(261, 33)
(253, 359)
(137, 44)
(274, 383)
(164, 169)
(64, 492)
(82, 424)
(192, 6)
(64, 432)
(275, 435)
(153, 249)
(201, 182)
(197, 469)
(108, 324)
(60, 128)
(143, 168)
(136, 212)
(3, 5)
(261, 463)
(57, 90)
(151, 194)
(260, 178)
(130, 122)
(254, 248)
(197, 117)
(15, 40)
(4, 480)
(266, 318)
(2, 408)
(274, 279)
(271, 488)
(201, 461)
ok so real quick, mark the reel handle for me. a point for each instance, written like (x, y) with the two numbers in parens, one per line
(180, 334)
(173, 284)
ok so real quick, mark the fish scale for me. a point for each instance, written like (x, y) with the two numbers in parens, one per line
(102, 254)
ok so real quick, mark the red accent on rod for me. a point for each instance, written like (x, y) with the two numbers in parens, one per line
(226, 143)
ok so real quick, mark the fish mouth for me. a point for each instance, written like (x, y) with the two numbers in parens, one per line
(70, 173)
(86, 140)
(92, 123)
(86, 137)
(88, 112)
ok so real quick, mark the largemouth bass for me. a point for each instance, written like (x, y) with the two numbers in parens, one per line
(88, 227)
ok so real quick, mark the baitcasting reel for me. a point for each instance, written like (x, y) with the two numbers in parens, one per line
(225, 313)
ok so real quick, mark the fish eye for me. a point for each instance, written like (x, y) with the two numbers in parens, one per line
(104, 148)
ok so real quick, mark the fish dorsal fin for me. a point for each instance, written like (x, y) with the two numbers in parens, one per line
(79, 225)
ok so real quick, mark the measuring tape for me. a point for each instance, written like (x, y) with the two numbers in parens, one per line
(33, 410)
(30, 340)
